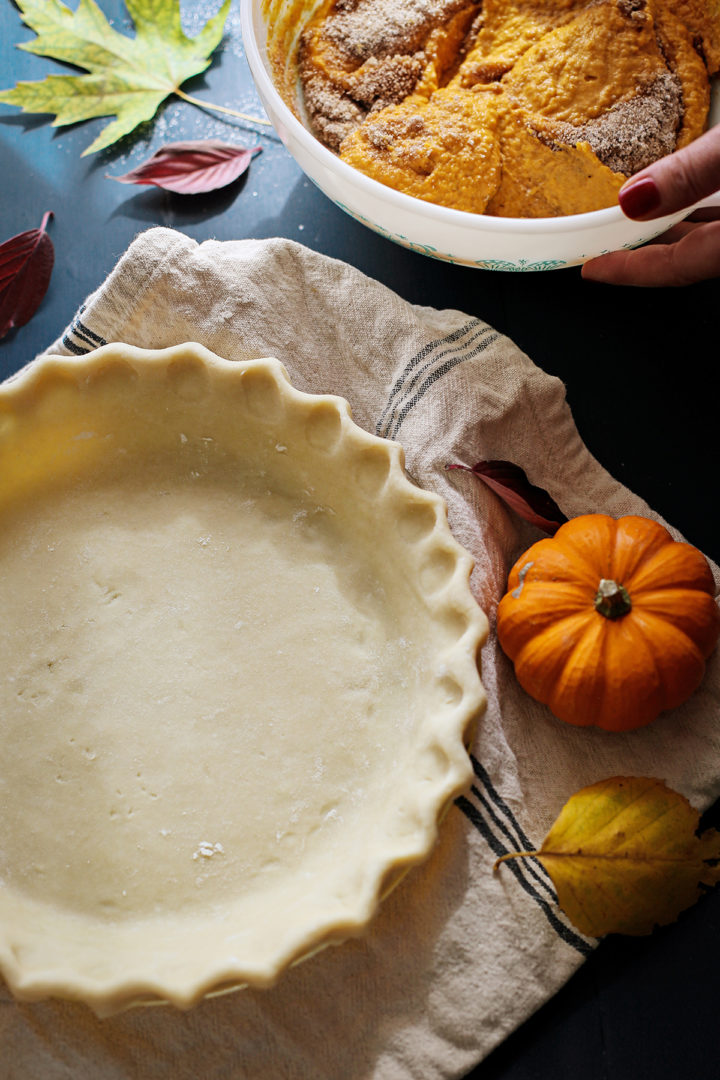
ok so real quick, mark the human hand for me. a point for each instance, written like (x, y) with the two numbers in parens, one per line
(688, 252)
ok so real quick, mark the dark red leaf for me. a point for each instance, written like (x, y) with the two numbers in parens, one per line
(512, 485)
(26, 262)
(191, 168)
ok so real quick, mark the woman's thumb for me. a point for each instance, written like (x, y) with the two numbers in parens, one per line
(674, 182)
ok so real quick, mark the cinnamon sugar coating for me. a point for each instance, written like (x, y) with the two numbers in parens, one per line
(591, 91)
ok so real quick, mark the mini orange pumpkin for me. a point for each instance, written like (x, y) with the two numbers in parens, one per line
(609, 622)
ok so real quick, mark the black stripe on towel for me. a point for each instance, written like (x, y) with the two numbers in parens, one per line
(491, 816)
(84, 331)
(435, 375)
(520, 836)
(73, 348)
(86, 339)
(460, 352)
(532, 867)
(425, 351)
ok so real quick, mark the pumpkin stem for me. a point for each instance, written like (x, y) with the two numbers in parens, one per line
(612, 600)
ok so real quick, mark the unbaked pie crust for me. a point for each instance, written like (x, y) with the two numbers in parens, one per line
(239, 670)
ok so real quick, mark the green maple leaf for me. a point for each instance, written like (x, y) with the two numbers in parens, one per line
(127, 77)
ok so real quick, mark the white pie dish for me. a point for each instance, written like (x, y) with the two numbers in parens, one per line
(454, 236)
(240, 675)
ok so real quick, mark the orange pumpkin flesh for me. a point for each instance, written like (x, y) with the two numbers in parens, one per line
(610, 621)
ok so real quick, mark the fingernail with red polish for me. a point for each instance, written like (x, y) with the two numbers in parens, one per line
(640, 198)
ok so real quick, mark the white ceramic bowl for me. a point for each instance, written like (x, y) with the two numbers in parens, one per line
(489, 243)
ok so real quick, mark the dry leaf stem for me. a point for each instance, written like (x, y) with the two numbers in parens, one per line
(221, 108)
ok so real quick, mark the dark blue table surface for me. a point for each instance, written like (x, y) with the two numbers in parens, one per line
(641, 371)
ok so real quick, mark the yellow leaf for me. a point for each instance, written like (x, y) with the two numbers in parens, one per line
(625, 857)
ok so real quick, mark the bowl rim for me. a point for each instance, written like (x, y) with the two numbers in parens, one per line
(441, 215)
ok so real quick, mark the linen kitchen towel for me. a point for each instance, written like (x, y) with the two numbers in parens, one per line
(458, 956)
